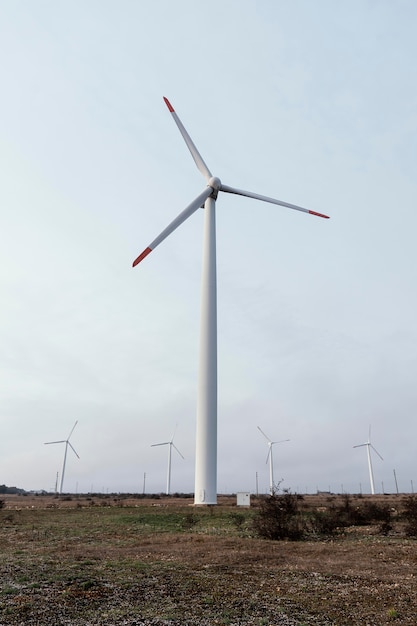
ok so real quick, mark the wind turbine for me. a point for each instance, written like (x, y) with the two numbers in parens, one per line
(206, 430)
(271, 462)
(170, 445)
(368, 450)
(67, 443)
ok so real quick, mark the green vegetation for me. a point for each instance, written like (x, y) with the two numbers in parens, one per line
(392, 614)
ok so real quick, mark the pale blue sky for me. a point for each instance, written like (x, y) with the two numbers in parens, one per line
(314, 103)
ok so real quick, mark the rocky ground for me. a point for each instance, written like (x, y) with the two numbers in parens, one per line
(95, 565)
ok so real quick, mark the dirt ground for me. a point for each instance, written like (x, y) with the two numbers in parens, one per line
(89, 561)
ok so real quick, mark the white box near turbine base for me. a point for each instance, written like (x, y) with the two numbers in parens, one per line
(243, 498)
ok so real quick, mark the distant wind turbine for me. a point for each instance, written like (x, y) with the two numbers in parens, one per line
(205, 491)
(170, 445)
(368, 450)
(271, 462)
(67, 443)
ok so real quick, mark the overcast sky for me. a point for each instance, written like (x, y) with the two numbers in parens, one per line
(314, 103)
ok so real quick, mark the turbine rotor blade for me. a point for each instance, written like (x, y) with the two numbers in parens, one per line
(174, 446)
(48, 442)
(72, 429)
(266, 436)
(191, 208)
(175, 430)
(256, 196)
(375, 450)
(190, 144)
(165, 443)
(72, 447)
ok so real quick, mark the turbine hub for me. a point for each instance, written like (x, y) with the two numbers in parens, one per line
(215, 183)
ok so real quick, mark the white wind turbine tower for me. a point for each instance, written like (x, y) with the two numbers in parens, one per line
(67, 443)
(368, 450)
(269, 457)
(170, 445)
(206, 429)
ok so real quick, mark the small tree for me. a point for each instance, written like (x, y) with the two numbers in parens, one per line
(279, 517)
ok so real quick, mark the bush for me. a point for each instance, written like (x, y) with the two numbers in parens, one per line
(279, 517)
(328, 522)
(332, 520)
(410, 516)
(373, 512)
(189, 521)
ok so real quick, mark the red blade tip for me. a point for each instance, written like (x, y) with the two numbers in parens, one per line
(141, 256)
(169, 105)
(319, 214)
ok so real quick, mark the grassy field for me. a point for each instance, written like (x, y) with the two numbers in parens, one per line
(114, 561)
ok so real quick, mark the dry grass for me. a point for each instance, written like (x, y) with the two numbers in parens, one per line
(165, 562)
